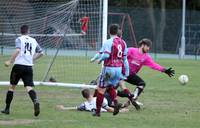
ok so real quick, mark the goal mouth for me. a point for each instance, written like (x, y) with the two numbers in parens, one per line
(69, 32)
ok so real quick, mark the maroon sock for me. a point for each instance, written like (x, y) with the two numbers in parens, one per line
(127, 92)
(99, 102)
(95, 93)
(112, 93)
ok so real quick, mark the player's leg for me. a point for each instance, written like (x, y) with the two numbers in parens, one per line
(107, 96)
(115, 77)
(95, 82)
(9, 97)
(113, 97)
(28, 84)
(99, 100)
(125, 91)
(14, 79)
(139, 82)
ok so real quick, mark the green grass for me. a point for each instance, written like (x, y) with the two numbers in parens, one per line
(167, 104)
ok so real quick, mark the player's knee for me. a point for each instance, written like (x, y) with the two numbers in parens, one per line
(11, 88)
(28, 88)
(142, 84)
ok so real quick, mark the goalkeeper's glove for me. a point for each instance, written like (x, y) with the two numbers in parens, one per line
(170, 72)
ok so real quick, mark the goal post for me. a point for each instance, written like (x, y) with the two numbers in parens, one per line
(59, 28)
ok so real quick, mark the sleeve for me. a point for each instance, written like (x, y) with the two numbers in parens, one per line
(104, 56)
(126, 49)
(81, 107)
(18, 43)
(153, 65)
(105, 50)
(126, 65)
(98, 55)
(107, 47)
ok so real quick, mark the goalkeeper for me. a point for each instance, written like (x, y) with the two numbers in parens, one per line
(138, 57)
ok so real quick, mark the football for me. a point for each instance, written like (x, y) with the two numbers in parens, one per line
(183, 79)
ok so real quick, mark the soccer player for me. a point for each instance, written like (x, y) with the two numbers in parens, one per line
(84, 24)
(27, 50)
(125, 91)
(90, 104)
(113, 53)
(137, 58)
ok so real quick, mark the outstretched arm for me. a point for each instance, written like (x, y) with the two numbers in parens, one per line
(99, 57)
(153, 65)
(62, 107)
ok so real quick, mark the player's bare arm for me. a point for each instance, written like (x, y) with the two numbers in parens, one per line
(12, 58)
(37, 56)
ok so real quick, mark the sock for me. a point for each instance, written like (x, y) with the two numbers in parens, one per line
(33, 96)
(122, 94)
(99, 102)
(9, 97)
(112, 93)
(127, 92)
(137, 92)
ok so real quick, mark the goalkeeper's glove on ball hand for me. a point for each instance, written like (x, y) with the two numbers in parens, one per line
(170, 72)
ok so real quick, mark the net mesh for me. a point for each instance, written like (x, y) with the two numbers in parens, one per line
(58, 26)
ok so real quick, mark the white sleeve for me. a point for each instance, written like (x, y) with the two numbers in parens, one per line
(18, 43)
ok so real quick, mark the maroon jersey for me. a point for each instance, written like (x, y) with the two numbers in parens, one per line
(117, 49)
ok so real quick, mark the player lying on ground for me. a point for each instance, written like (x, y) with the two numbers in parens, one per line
(90, 104)
(113, 53)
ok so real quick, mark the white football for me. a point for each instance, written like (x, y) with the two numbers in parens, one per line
(183, 79)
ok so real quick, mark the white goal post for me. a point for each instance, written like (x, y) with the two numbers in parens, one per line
(37, 83)
(58, 28)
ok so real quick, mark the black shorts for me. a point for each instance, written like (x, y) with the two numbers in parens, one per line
(22, 72)
(134, 79)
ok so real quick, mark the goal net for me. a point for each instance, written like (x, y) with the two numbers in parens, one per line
(69, 31)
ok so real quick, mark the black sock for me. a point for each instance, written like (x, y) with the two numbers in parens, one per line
(9, 97)
(137, 92)
(33, 96)
(140, 90)
(122, 94)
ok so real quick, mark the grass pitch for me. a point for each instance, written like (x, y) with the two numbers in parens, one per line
(167, 104)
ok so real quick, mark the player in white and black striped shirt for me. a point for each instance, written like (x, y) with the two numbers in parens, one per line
(27, 50)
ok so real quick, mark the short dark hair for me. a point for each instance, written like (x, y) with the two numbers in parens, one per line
(24, 29)
(119, 33)
(85, 93)
(145, 41)
(114, 29)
